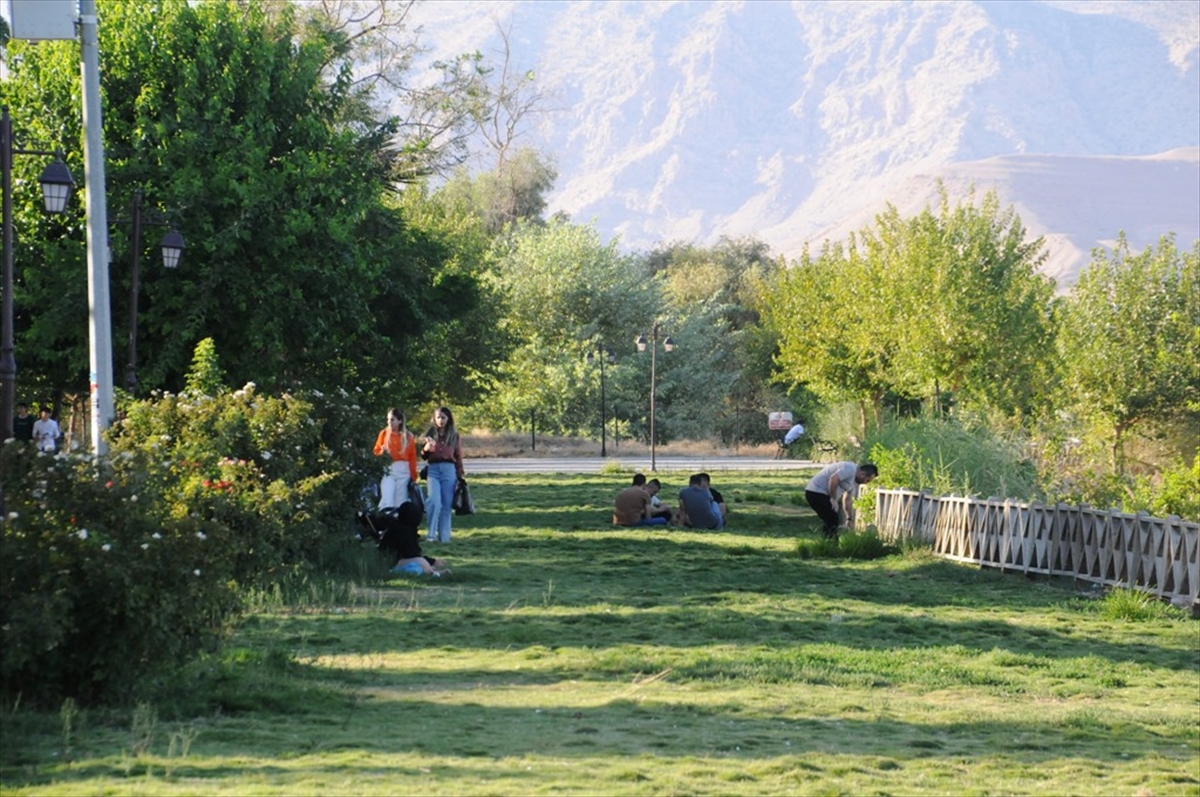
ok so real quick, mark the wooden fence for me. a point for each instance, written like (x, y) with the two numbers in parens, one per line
(1106, 547)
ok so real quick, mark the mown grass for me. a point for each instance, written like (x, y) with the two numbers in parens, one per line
(564, 656)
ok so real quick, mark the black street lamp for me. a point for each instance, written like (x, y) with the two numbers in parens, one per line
(56, 185)
(605, 354)
(668, 345)
(172, 251)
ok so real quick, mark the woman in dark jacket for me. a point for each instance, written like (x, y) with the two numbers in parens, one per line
(443, 452)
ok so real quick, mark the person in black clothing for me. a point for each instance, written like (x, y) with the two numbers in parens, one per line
(23, 423)
(718, 499)
(396, 532)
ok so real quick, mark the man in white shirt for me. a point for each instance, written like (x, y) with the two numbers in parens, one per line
(832, 491)
(46, 432)
(793, 435)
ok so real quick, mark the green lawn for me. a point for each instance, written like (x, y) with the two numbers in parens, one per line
(564, 656)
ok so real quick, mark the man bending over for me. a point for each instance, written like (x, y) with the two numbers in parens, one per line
(832, 491)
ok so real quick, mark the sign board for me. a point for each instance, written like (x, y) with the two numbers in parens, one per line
(779, 421)
(39, 20)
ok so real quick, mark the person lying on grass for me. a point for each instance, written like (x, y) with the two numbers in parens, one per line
(633, 506)
(398, 536)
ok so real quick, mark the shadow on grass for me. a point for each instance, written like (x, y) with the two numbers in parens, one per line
(638, 733)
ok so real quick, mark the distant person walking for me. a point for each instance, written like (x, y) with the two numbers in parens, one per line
(23, 423)
(443, 451)
(399, 448)
(788, 440)
(46, 432)
(793, 434)
(832, 491)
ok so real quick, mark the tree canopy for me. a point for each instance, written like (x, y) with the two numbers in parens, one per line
(910, 307)
(1130, 338)
(245, 125)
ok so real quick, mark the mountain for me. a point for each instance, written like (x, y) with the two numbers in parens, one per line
(798, 121)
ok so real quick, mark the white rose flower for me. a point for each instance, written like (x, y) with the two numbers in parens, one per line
(83, 535)
(106, 547)
(196, 572)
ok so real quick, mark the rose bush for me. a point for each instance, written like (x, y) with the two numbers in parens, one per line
(112, 571)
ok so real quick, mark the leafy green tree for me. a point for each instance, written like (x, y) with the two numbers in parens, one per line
(204, 377)
(1130, 338)
(911, 307)
(974, 313)
(837, 331)
(565, 291)
(250, 129)
(514, 191)
(716, 291)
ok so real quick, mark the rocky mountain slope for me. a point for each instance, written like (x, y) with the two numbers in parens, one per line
(797, 121)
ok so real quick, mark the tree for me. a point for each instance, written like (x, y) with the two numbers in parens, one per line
(914, 306)
(717, 291)
(471, 109)
(514, 191)
(836, 328)
(249, 128)
(565, 290)
(974, 313)
(1130, 338)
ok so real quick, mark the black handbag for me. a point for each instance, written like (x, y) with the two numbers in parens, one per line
(462, 502)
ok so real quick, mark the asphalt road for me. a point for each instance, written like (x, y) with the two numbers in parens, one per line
(633, 463)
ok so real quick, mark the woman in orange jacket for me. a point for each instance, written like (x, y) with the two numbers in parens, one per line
(396, 444)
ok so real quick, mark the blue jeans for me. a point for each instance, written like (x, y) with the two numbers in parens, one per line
(441, 481)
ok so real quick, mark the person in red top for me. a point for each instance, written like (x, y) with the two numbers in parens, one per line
(397, 446)
(443, 452)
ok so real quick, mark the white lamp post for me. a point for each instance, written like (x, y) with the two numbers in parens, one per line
(668, 345)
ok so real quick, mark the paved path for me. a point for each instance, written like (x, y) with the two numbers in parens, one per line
(639, 462)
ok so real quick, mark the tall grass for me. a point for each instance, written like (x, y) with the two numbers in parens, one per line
(947, 458)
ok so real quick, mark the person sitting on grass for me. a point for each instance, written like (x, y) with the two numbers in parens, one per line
(697, 509)
(657, 507)
(633, 507)
(397, 534)
(832, 491)
(718, 499)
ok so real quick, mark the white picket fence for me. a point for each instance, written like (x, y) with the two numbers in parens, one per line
(1106, 547)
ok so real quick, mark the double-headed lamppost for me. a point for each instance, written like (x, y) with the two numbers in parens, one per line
(668, 345)
(605, 355)
(56, 185)
(172, 250)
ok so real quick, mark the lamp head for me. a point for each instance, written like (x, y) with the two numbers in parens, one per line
(172, 248)
(57, 185)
